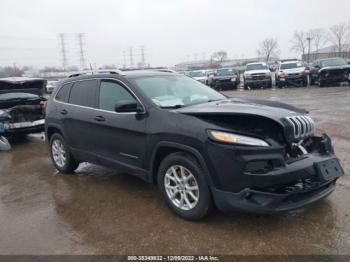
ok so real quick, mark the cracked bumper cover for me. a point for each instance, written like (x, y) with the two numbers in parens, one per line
(266, 193)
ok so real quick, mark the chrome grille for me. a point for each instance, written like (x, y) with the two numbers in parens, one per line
(303, 126)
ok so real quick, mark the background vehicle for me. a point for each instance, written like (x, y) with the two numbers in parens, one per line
(257, 75)
(199, 146)
(50, 86)
(22, 105)
(199, 75)
(330, 71)
(294, 73)
(224, 79)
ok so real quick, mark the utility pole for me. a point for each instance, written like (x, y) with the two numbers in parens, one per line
(131, 57)
(143, 62)
(80, 38)
(124, 59)
(63, 50)
(308, 52)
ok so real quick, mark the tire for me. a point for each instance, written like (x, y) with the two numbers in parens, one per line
(320, 83)
(63, 161)
(171, 172)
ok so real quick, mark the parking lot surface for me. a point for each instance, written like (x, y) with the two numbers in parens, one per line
(100, 211)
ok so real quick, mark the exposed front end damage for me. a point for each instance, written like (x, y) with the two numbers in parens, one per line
(23, 119)
(297, 168)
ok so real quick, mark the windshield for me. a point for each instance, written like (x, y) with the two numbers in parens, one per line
(225, 72)
(8, 96)
(291, 65)
(333, 62)
(256, 67)
(176, 91)
(196, 74)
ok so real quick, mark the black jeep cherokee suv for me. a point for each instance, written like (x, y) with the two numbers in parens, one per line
(200, 147)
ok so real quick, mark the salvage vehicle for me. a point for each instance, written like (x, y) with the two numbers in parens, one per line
(199, 75)
(330, 71)
(224, 79)
(292, 73)
(22, 105)
(201, 148)
(257, 75)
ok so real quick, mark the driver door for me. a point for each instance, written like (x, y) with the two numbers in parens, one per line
(119, 137)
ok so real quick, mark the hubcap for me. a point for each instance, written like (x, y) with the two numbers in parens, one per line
(58, 153)
(181, 187)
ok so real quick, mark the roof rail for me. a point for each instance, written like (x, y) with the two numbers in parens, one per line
(98, 71)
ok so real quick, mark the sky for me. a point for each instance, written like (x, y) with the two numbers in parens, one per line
(171, 31)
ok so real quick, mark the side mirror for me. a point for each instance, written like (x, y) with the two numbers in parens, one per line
(128, 107)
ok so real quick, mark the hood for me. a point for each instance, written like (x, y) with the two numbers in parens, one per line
(343, 67)
(260, 71)
(200, 78)
(245, 106)
(34, 86)
(225, 77)
(294, 70)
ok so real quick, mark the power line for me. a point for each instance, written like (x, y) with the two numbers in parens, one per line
(63, 50)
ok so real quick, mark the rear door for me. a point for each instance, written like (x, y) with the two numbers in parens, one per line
(78, 121)
(120, 137)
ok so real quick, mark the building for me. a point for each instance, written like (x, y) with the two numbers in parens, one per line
(328, 52)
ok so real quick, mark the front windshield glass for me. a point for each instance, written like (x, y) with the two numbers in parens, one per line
(17, 95)
(196, 74)
(333, 62)
(225, 72)
(176, 91)
(256, 67)
(291, 65)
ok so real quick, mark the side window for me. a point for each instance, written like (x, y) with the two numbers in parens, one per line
(63, 93)
(83, 93)
(111, 93)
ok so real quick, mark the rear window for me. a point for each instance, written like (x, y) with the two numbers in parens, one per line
(63, 93)
(83, 93)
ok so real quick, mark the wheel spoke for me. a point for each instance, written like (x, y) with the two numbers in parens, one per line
(170, 177)
(195, 198)
(187, 201)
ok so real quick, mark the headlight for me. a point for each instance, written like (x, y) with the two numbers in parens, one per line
(282, 74)
(233, 79)
(230, 138)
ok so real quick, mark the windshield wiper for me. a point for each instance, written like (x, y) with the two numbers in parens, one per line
(172, 107)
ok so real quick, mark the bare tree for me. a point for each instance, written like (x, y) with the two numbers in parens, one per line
(299, 42)
(319, 38)
(219, 56)
(339, 36)
(268, 48)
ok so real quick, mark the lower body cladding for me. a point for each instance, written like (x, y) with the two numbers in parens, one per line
(263, 181)
(252, 83)
(300, 80)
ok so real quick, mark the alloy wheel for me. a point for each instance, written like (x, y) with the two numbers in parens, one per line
(181, 187)
(58, 153)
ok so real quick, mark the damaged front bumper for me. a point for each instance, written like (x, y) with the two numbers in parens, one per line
(24, 127)
(282, 186)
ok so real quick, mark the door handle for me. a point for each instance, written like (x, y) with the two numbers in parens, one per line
(100, 118)
(64, 112)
